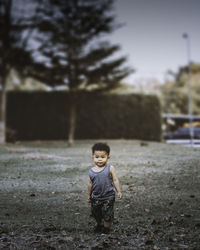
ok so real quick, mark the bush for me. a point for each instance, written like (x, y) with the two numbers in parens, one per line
(44, 116)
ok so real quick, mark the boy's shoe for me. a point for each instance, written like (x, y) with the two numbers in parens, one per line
(106, 230)
(98, 228)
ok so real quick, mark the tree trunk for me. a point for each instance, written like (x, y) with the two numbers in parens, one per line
(72, 119)
(3, 113)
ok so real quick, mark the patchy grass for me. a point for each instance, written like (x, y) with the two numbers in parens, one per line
(43, 190)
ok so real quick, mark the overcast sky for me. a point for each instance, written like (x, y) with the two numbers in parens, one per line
(152, 35)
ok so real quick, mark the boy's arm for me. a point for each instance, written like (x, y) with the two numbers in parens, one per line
(116, 182)
(89, 189)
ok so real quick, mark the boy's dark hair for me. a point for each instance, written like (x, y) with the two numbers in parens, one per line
(101, 147)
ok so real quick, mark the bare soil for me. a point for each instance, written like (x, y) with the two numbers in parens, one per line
(43, 196)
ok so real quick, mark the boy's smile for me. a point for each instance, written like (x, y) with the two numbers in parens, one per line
(100, 158)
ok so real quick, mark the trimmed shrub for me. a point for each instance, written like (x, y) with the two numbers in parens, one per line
(44, 116)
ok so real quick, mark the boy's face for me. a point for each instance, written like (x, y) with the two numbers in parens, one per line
(100, 158)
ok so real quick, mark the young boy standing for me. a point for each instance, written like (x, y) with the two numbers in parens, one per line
(101, 188)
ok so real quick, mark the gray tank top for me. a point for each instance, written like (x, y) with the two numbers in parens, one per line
(102, 186)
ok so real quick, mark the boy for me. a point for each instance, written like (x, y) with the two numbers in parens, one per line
(101, 188)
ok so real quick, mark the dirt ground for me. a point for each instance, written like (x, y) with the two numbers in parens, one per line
(43, 190)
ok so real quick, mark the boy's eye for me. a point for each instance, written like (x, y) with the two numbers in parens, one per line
(100, 157)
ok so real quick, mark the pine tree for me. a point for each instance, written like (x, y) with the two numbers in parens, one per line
(73, 51)
(17, 22)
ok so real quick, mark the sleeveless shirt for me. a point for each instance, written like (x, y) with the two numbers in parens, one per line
(102, 186)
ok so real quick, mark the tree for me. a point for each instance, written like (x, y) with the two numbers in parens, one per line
(17, 22)
(174, 93)
(72, 49)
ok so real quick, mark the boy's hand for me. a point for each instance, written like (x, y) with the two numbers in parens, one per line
(119, 195)
(89, 199)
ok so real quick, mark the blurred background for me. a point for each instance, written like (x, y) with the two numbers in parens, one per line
(131, 47)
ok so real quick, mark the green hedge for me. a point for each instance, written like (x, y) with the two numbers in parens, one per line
(44, 116)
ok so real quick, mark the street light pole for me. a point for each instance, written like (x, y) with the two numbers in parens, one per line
(190, 104)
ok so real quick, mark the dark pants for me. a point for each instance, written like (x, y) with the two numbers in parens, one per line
(103, 210)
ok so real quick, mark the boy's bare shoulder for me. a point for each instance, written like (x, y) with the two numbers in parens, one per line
(112, 168)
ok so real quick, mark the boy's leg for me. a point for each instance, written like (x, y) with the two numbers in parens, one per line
(107, 224)
(97, 214)
(108, 214)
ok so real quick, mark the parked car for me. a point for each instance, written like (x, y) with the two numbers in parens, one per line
(182, 133)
